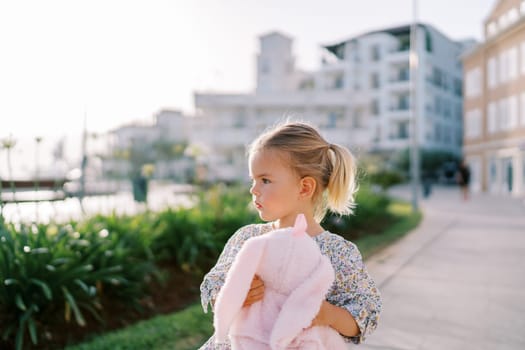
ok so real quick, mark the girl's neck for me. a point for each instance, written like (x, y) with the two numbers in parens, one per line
(313, 227)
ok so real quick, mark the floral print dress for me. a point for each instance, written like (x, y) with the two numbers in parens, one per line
(353, 289)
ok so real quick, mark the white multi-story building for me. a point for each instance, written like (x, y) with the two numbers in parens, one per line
(359, 97)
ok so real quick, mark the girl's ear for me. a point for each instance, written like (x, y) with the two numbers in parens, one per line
(308, 186)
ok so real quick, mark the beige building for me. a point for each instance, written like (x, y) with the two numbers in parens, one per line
(494, 103)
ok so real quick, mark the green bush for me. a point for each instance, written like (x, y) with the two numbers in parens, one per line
(49, 270)
(385, 178)
(194, 237)
(127, 242)
(370, 215)
(181, 236)
(226, 209)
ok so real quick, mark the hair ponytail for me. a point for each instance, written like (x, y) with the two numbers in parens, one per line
(342, 183)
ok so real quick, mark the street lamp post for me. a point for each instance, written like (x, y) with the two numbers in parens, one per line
(414, 149)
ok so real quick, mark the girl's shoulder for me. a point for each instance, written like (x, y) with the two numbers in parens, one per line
(253, 230)
(331, 243)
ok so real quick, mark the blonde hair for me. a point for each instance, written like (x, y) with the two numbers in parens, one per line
(332, 166)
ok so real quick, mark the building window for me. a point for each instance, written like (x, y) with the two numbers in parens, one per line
(404, 73)
(523, 171)
(512, 107)
(503, 66)
(447, 109)
(339, 82)
(523, 58)
(458, 111)
(240, 118)
(447, 137)
(374, 107)
(437, 132)
(307, 84)
(438, 105)
(428, 41)
(492, 68)
(493, 173)
(265, 67)
(375, 53)
(404, 102)
(473, 82)
(502, 21)
(512, 16)
(492, 118)
(437, 77)
(375, 81)
(458, 87)
(404, 42)
(357, 121)
(473, 124)
(402, 130)
(377, 136)
(503, 114)
(333, 119)
(522, 108)
(459, 137)
(429, 131)
(513, 63)
(491, 29)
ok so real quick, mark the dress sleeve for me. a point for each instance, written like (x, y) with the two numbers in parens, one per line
(214, 279)
(355, 290)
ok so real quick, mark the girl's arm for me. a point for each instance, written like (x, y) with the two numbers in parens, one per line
(214, 280)
(338, 318)
(354, 301)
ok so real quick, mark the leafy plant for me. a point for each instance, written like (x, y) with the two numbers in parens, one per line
(47, 270)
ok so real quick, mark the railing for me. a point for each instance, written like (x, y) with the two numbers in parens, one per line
(32, 190)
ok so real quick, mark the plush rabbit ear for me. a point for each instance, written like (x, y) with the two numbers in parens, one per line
(236, 286)
(303, 304)
(300, 225)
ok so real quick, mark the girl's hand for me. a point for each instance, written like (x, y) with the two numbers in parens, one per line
(255, 293)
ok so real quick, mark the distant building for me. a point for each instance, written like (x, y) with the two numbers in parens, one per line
(359, 97)
(494, 139)
(161, 144)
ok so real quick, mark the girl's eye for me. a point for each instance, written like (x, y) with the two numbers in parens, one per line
(265, 181)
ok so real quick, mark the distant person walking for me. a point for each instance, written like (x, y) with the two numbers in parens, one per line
(463, 178)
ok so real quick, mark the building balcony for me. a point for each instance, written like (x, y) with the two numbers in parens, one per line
(398, 113)
(347, 136)
(398, 57)
(398, 85)
(276, 99)
(224, 136)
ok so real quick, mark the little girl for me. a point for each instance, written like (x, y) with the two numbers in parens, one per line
(294, 170)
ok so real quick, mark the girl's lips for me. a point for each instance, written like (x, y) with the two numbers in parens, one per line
(257, 205)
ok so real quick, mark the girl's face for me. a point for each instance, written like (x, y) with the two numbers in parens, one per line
(275, 187)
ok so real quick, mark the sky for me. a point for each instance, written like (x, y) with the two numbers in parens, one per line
(115, 62)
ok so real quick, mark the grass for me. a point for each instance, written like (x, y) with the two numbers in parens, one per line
(407, 220)
(187, 329)
(190, 328)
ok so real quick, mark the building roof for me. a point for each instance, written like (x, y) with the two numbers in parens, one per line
(337, 48)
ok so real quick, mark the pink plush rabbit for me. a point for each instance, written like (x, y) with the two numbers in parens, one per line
(296, 277)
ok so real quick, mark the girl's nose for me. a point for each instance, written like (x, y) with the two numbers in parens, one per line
(253, 190)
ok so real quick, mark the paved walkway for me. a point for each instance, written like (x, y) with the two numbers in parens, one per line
(458, 280)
